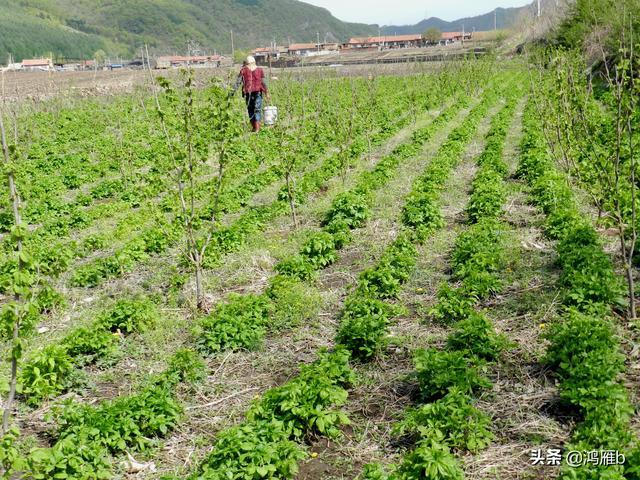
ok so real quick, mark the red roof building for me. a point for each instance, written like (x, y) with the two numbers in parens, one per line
(37, 64)
(386, 41)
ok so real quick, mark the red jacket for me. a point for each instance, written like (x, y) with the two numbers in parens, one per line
(253, 81)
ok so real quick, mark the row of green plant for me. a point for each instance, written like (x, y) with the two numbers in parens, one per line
(55, 368)
(366, 316)
(54, 256)
(86, 149)
(447, 422)
(86, 437)
(228, 328)
(255, 450)
(230, 238)
(585, 352)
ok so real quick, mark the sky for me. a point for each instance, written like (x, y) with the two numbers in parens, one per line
(408, 12)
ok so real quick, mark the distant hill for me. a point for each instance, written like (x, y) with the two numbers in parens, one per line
(78, 28)
(504, 17)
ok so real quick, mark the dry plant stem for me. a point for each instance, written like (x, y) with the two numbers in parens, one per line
(15, 203)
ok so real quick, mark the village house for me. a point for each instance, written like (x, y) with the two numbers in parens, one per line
(37, 64)
(451, 37)
(386, 41)
(264, 54)
(176, 61)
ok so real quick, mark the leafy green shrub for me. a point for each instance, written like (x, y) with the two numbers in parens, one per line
(488, 196)
(587, 272)
(238, 324)
(422, 213)
(454, 304)
(320, 250)
(75, 456)
(129, 316)
(48, 299)
(90, 343)
(478, 257)
(296, 267)
(349, 207)
(438, 371)
(551, 191)
(253, 451)
(385, 279)
(586, 357)
(363, 326)
(304, 403)
(463, 426)
(430, 460)
(186, 365)
(475, 336)
(47, 373)
(126, 422)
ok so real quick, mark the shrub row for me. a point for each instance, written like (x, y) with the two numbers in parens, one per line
(584, 350)
(447, 378)
(54, 369)
(244, 320)
(265, 444)
(366, 316)
(87, 436)
(234, 236)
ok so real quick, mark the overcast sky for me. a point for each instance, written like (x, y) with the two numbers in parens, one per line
(402, 12)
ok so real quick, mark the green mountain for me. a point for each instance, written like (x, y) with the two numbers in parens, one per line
(500, 18)
(78, 28)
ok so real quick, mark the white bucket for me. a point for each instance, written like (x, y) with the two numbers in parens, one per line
(270, 115)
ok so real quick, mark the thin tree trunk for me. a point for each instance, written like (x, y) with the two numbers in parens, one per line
(15, 203)
(291, 200)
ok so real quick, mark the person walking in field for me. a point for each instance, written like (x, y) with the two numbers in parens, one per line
(254, 85)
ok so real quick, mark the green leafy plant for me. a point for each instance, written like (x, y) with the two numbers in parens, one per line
(238, 324)
(438, 371)
(48, 372)
(452, 418)
(475, 336)
(129, 316)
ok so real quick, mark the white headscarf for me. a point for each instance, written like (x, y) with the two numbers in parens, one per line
(251, 63)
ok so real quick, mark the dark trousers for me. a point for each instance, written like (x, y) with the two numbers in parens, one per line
(254, 105)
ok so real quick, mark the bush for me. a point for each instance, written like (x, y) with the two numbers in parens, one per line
(454, 417)
(363, 327)
(438, 371)
(186, 366)
(90, 343)
(587, 272)
(319, 250)
(129, 316)
(422, 213)
(126, 422)
(350, 208)
(48, 372)
(253, 451)
(238, 324)
(304, 403)
(430, 460)
(475, 337)
(454, 304)
(296, 267)
(586, 357)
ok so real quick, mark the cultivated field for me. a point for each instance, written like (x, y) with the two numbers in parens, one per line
(396, 281)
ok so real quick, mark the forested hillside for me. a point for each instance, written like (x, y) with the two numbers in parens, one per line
(78, 28)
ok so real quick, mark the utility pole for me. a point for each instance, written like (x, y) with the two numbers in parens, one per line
(318, 41)
(495, 20)
(463, 34)
(538, 9)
